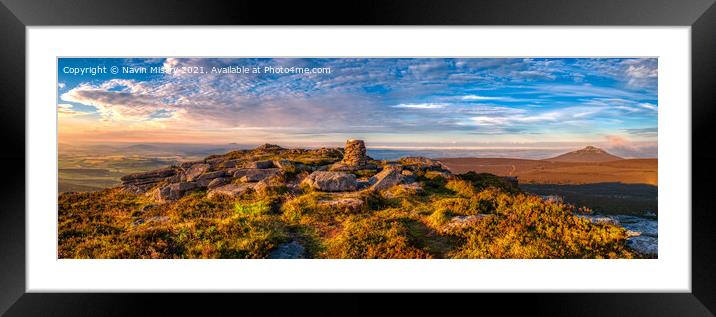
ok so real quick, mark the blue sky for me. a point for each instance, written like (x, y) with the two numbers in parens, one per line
(443, 103)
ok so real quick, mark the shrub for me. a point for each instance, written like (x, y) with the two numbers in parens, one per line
(462, 188)
(484, 180)
(438, 218)
(373, 238)
(527, 227)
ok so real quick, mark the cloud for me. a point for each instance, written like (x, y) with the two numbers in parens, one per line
(119, 99)
(476, 97)
(61, 85)
(642, 131)
(67, 110)
(587, 90)
(623, 147)
(514, 120)
(641, 73)
(635, 73)
(397, 97)
(534, 74)
(649, 106)
(420, 106)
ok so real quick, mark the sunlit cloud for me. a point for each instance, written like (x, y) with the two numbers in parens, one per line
(391, 100)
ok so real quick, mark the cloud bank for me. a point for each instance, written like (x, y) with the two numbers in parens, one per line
(465, 100)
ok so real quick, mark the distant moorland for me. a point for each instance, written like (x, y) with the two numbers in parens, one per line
(589, 177)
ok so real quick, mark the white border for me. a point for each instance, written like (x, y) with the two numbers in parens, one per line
(671, 272)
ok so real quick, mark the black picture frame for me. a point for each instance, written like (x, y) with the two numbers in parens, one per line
(15, 15)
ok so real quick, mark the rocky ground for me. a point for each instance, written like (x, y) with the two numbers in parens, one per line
(273, 202)
(324, 170)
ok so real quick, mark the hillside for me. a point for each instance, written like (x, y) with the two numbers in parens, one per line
(628, 171)
(588, 154)
(272, 202)
(627, 186)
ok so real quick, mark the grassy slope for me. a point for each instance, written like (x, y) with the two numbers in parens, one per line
(400, 223)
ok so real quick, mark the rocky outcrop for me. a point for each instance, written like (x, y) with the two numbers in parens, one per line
(211, 175)
(230, 190)
(388, 177)
(175, 191)
(231, 163)
(331, 181)
(268, 148)
(141, 182)
(409, 176)
(187, 165)
(292, 167)
(249, 175)
(194, 171)
(259, 164)
(235, 172)
(419, 163)
(217, 182)
(330, 152)
(438, 174)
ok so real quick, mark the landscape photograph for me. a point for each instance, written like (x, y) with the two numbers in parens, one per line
(357, 158)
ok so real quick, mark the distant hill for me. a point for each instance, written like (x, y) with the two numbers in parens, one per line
(588, 154)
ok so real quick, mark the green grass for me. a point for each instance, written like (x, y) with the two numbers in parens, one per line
(397, 223)
(252, 208)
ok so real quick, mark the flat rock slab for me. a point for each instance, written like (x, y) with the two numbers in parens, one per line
(218, 182)
(387, 178)
(195, 170)
(331, 181)
(156, 174)
(259, 164)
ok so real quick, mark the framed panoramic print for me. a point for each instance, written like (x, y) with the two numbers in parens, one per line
(547, 148)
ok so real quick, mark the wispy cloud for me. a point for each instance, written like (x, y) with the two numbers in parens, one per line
(394, 98)
(476, 97)
(420, 106)
(642, 131)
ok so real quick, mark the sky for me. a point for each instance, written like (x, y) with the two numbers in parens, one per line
(465, 103)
